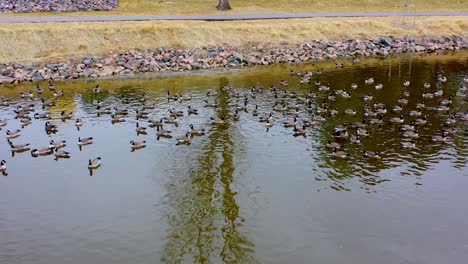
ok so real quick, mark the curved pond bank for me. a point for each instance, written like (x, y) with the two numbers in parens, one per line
(160, 60)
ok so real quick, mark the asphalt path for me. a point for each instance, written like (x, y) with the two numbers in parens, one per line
(216, 17)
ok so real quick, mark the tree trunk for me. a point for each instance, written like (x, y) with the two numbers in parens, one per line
(223, 5)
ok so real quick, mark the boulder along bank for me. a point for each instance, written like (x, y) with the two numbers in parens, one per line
(168, 59)
(30, 6)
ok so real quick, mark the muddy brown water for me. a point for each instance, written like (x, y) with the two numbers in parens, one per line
(241, 193)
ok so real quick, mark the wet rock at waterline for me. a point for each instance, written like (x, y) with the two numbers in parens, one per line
(33, 6)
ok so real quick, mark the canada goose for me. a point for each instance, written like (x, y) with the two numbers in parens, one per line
(13, 134)
(50, 128)
(217, 121)
(212, 93)
(406, 93)
(439, 93)
(450, 120)
(120, 111)
(346, 94)
(265, 117)
(333, 145)
(331, 97)
(64, 115)
(407, 127)
(211, 105)
(186, 139)
(61, 154)
(382, 111)
(317, 82)
(400, 119)
(427, 85)
(362, 132)
(440, 139)
(137, 145)
(376, 121)
(139, 129)
(355, 139)
(371, 154)
(236, 116)
(354, 86)
(450, 131)
(160, 132)
(334, 111)
(39, 90)
(342, 134)
(341, 127)
(350, 111)
(443, 108)
(362, 124)
(447, 101)
(192, 111)
(410, 134)
(284, 83)
(149, 106)
(421, 105)
(369, 81)
(42, 151)
(19, 147)
(141, 115)
(324, 88)
(465, 79)
(411, 144)
(103, 111)
(85, 141)
(51, 86)
(402, 101)
(196, 132)
(441, 78)
(58, 93)
(78, 122)
(171, 120)
(27, 95)
(117, 119)
(301, 131)
(428, 95)
(3, 166)
(415, 112)
(97, 89)
(255, 111)
(338, 65)
(340, 154)
(175, 113)
(397, 108)
(156, 123)
(378, 86)
(420, 121)
(94, 163)
(3, 123)
(368, 97)
(270, 122)
(43, 115)
(25, 121)
(57, 144)
(185, 97)
(406, 83)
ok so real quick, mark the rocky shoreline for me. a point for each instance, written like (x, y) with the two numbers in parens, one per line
(166, 59)
(30, 6)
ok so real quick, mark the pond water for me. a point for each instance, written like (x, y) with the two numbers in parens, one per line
(242, 193)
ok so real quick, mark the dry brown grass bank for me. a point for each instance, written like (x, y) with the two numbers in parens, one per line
(173, 7)
(61, 41)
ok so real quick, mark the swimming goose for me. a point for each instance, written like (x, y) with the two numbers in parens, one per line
(443, 108)
(447, 101)
(137, 145)
(340, 154)
(175, 113)
(42, 152)
(211, 105)
(410, 134)
(171, 120)
(368, 97)
(324, 88)
(3, 166)
(255, 111)
(103, 111)
(343, 134)
(411, 144)
(141, 115)
(378, 86)
(51, 86)
(402, 101)
(43, 115)
(341, 127)
(57, 144)
(300, 131)
(236, 116)
(13, 134)
(439, 93)
(450, 120)
(156, 123)
(186, 139)
(440, 139)
(3, 123)
(406, 83)
(333, 145)
(371, 154)
(362, 132)
(355, 139)
(382, 110)
(354, 86)
(58, 93)
(376, 121)
(265, 117)
(27, 95)
(120, 111)
(97, 89)
(39, 90)
(428, 95)
(421, 105)
(64, 115)
(117, 119)
(441, 78)
(149, 106)
(50, 128)
(346, 94)
(160, 132)
(19, 147)
(406, 93)
(192, 111)
(350, 111)
(369, 81)
(465, 79)
(334, 111)
(407, 127)
(450, 131)
(284, 83)
(140, 129)
(94, 163)
(427, 85)
(196, 132)
(415, 112)
(61, 154)
(85, 141)
(420, 121)
(358, 125)
(217, 121)
(25, 121)
(400, 119)
(78, 122)
(270, 122)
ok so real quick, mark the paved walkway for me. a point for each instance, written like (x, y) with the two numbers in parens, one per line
(228, 17)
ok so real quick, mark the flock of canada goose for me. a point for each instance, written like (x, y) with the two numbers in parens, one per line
(299, 112)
